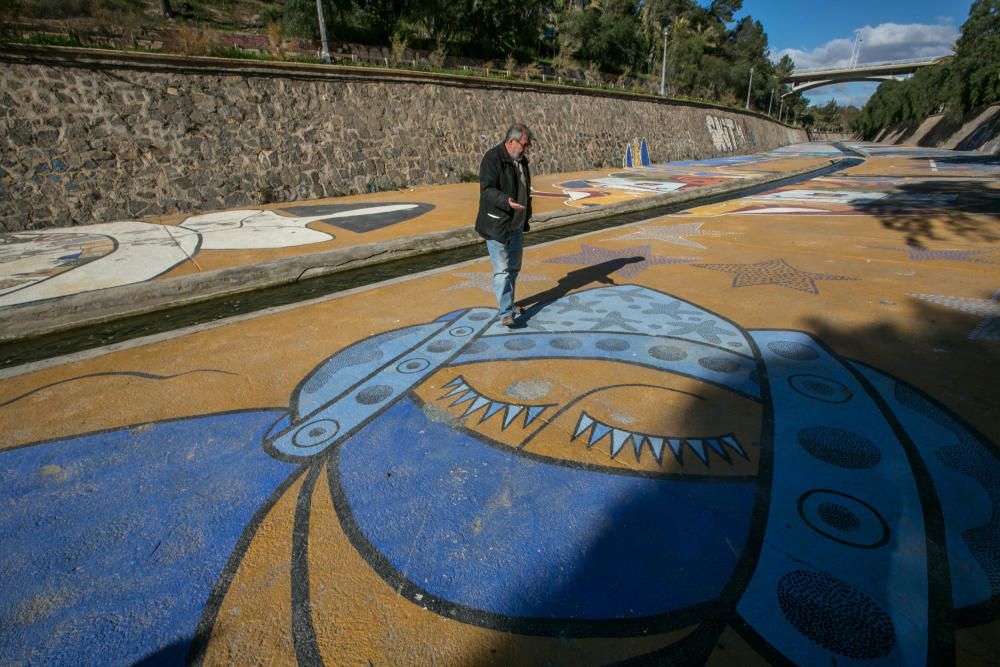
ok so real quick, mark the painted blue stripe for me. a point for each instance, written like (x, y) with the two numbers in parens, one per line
(840, 478)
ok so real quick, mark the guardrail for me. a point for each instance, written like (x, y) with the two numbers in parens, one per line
(910, 61)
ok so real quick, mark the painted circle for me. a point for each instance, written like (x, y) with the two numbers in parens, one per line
(820, 388)
(836, 615)
(477, 347)
(315, 434)
(519, 344)
(374, 394)
(843, 519)
(720, 364)
(613, 345)
(565, 343)
(412, 365)
(477, 317)
(840, 447)
(791, 350)
(667, 352)
(461, 332)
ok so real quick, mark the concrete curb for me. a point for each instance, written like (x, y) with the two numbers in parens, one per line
(25, 321)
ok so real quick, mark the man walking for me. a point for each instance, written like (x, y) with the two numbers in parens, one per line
(504, 210)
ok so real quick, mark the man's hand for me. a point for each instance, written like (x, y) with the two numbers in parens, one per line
(514, 206)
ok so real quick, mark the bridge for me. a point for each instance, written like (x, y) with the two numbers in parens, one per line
(807, 79)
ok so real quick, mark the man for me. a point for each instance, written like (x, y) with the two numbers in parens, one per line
(504, 210)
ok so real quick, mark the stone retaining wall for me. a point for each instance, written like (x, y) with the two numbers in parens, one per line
(92, 137)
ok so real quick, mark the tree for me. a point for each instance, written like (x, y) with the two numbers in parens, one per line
(976, 64)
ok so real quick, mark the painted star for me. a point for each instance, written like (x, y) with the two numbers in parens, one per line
(630, 295)
(672, 309)
(573, 303)
(989, 309)
(642, 256)
(706, 329)
(484, 281)
(612, 320)
(773, 272)
(675, 234)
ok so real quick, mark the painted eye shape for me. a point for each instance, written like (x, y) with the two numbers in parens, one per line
(462, 392)
(619, 438)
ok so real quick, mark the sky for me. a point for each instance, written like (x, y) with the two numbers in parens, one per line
(821, 34)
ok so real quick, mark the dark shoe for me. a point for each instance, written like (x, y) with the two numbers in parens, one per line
(507, 321)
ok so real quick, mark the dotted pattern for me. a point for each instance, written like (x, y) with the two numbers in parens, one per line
(792, 350)
(835, 615)
(839, 517)
(968, 458)
(773, 272)
(840, 447)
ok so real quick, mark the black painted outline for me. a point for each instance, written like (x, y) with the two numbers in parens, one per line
(533, 626)
(213, 605)
(268, 445)
(303, 631)
(139, 374)
(89, 434)
(886, 533)
(988, 610)
(114, 248)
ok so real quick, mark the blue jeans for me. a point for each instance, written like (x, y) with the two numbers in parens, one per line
(506, 260)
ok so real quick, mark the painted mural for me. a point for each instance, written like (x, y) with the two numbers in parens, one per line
(57, 262)
(432, 486)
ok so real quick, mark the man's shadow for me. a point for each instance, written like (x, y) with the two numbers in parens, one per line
(598, 273)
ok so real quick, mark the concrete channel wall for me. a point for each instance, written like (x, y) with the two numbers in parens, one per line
(90, 136)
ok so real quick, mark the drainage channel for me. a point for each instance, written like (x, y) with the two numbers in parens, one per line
(106, 333)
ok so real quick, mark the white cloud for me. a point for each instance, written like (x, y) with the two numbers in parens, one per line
(887, 41)
(846, 94)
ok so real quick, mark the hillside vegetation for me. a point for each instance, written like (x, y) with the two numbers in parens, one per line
(958, 86)
(710, 56)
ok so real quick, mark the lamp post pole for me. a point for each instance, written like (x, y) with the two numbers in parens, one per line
(322, 32)
(663, 65)
(770, 102)
(749, 86)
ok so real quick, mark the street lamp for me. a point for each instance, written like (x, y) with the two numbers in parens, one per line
(322, 32)
(663, 66)
(769, 103)
(749, 86)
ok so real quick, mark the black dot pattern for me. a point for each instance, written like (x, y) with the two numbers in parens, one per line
(374, 394)
(837, 516)
(840, 447)
(612, 345)
(792, 350)
(477, 347)
(667, 352)
(565, 343)
(719, 364)
(835, 615)
(441, 346)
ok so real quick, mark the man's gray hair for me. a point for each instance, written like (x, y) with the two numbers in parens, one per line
(518, 131)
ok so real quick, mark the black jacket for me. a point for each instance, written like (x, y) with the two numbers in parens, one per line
(497, 182)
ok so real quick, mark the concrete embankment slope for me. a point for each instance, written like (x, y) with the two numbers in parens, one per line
(979, 132)
(90, 136)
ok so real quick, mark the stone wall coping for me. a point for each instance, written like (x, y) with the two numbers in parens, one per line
(94, 57)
